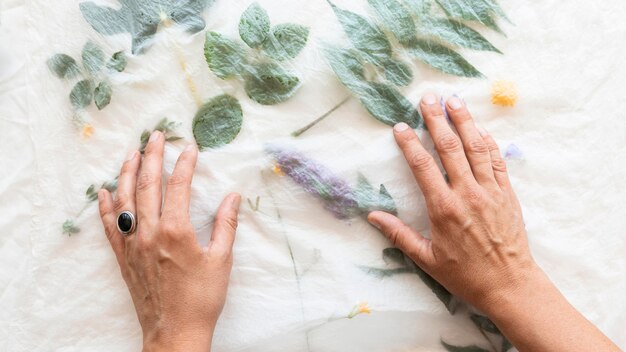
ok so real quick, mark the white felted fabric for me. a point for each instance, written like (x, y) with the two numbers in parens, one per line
(60, 293)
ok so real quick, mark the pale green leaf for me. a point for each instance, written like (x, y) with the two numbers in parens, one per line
(442, 58)
(217, 122)
(93, 58)
(396, 18)
(455, 33)
(64, 66)
(118, 62)
(394, 256)
(69, 228)
(254, 26)
(369, 199)
(286, 41)
(382, 273)
(419, 8)
(102, 95)
(82, 94)
(269, 84)
(471, 10)
(225, 57)
(396, 72)
(472, 348)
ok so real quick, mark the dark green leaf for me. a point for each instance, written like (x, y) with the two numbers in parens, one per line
(396, 18)
(364, 35)
(224, 56)
(173, 139)
(91, 190)
(506, 344)
(270, 84)
(286, 41)
(472, 348)
(102, 95)
(394, 256)
(442, 58)
(118, 62)
(69, 228)
(471, 10)
(145, 136)
(485, 323)
(455, 33)
(218, 122)
(254, 26)
(381, 273)
(82, 94)
(93, 58)
(397, 72)
(64, 66)
(369, 199)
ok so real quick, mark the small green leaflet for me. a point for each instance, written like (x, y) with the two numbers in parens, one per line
(225, 57)
(69, 228)
(269, 84)
(455, 33)
(141, 18)
(396, 18)
(166, 126)
(64, 66)
(473, 10)
(118, 62)
(82, 94)
(369, 200)
(254, 26)
(102, 95)
(472, 348)
(93, 58)
(286, 41)
(442, 58)
(218, 122)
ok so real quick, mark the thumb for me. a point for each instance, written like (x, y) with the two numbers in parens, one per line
(225, 226)
(409, 241)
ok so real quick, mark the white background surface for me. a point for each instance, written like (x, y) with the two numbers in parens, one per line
(65, 294)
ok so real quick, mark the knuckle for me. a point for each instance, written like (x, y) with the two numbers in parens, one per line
(146, 180)
(230, 223)
(177, 180)
(126, 167)
(121, 201)
(446, 207)
(498, 165)
(144, 243)
(491, 144)
(395, 236)
(477, 146)
(448, 143)
(474, 197)
(420, 161)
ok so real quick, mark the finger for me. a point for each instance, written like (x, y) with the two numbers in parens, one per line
(225, 227)
(149, 181)
(109, 219)
(178, 189)
(475, 147)
(448, 145)
(125, 194)
(497, 162)
(422, 164)
(404, 238)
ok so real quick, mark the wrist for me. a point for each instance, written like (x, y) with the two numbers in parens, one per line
(175, 340)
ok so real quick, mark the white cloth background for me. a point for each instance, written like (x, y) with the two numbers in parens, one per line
(60, 293)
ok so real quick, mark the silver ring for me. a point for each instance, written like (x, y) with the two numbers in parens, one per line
(126, 223)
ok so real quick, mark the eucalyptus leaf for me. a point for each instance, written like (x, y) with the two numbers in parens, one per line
(472, 10)
(225, 57)
(141, 18)
(442, 58)
(506, 344)
(472, 348)
(382, 273)
(217, 122)
(64, 66)
(397, 72)
(419, 8)
(269, 84)
(485, 323)
(286, 41)
(364, 35)
(102, 95)
(118, 62)
(369, 199)
(93, 58)
(254, 26)
(82, 94)
(396, 18)
(69, 228)
(455, 33)
(393, 256)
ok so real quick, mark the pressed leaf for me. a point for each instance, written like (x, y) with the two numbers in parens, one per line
(506, 344)
(69, 228)
(442, 58)
(485, 323)
(397, 72)
(91, 193)
(396, 18)
(364, 35)
(471, 10)
(102, 95)
(419, 8)
(82, 94)
(387, 200)
(369, 199)
(218, 122)
(472, 348)
(441, 292)
(118, 62)
(286, 41)
(64, 66)
(224, 56)
(455, 33)
(381, 273)
(93, 58)
(269, 84)
(110, 186)
(254, 26)
(394, 256)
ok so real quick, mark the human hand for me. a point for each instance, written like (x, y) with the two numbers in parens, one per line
(178, 287)
(478, 248)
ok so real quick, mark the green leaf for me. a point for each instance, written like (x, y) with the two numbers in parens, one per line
(382, 273)
(286, 41)
(506, 344)
(93, 58)
(69, 228)
(394, 256)
(118, 62)
(141, 18)
(471, 10)
(254, 26)
(225, 57)
(218, 122)
(64, 66)
(102, 95)
(455, 33)
(387, 200)
(485, 323)
(441, 292)
(472, 348)
(91, 193)
(145, 136)
(110, 186)
(364, 35)
(270, 84)
(369, 200)
(419, 8)
(442, 58)
(396, 18)
(397, 72)
(82, 94)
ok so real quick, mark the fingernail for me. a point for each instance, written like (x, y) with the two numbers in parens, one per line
(429, 99)
(483, 132)
(236, 202)
(155, 136)
(131, 155)
(400, 127)
(373, 223)
(189, 148)
(455, 103)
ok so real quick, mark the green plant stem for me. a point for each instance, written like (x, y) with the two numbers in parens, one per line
(319, 119)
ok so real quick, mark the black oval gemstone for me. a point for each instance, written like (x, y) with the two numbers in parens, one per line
(125, 222)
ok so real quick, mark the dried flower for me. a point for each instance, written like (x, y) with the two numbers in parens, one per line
(361, 308)
(504, 93)
(87, 131)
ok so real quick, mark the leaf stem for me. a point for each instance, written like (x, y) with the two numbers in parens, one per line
(319, 119)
